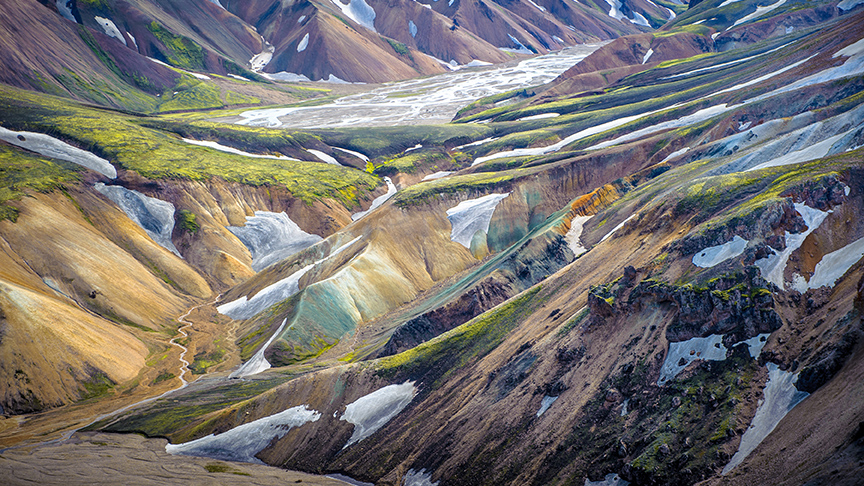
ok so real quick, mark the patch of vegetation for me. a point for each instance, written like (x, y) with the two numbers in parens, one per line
(221, 467)
(398, 47)
(96, 385)
(156, 154)
(191, 94)
(456, 348)
(483, 181)
(408, 164)
(187, 221)
(182, 51)
(203, 361)
(164, 376)
(20, 171)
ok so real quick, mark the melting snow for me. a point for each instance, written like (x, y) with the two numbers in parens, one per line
(359, 11)
(714, 255)
(244, 308)
(378, 201)
(418, 478)
(756, 343)
(133, 40)
(762, 78)
(63, 6)
(371, 412)
(696, 117)
(272, 237)
(539, 117)
(620, 225)
(773, 266)
(263, 58)
(743, 126)
(258, 362)
(624, 411)
(324, 157)
(615, 13)
(412, 28)
(573, 234)
(303, 43)
(437, 175)
(545, 404)
(844, 5)
(287, 78)
(611, 479)
(728, 2)
(537, 6)
(675, 154)
(835, 264)
(760, 11)
(355, 154)
(111, 29)
(51, 147)
(781, 396)
(416, 147)
(708, 348)
(811, 152)
(232, 150)
(469, 217)
(521, 49)
(647, 56)
(474, 144)
(242, 442)
(217, 2)
(155, 216)
(301, 19)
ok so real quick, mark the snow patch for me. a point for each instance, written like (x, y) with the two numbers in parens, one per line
(715, 255)
(258, 362)
(416, 147)
(355, 154)
(541, 116)
(469, 217)
(217, 2)
(263, 58)
(611, 479)
(418, 478)
(243, 442)
(412, 28)
(371, 412)
(474, 144)
(111, 29)
(51, 147)
(675, 154)
(756, 343)
(135, 42)
(438, 175)
(683, 353)
(301, 19)
(244, 307)
(728, 2)
(324, 157)
(359, 11)
(303, 43)
(232, 150)
(624, 405)
(545, 404)
(781, 396)
(845, 5)
(773, 266)
(155, 216)
(647, 56)
(811, 152)
(621, 225)
(65, 9)
(835, 264)
(697, 117)
(538, 7)
(378, 201)
(520, 48)
(285, 77)
(272, 237)
(573, 234)
(760, 11)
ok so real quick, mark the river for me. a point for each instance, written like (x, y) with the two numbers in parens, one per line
(430, 100)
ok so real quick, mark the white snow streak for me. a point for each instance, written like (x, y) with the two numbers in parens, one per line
(324, 157)
(153, 215)
(781, 396)
(232, 150)
(545, 404)
(760, 11)
(469, 217)
(647, 56)
(708, 348)
(378, 201)
(51, 147)
(272, 237)
(303, 43)
(111, 29)
(359, 11)
(773, 266)
(371, 412)
(418, 478)
(243, 442)
(573, 234)
(621, 225)
(715, 255)
(258, 362)
(835, 264)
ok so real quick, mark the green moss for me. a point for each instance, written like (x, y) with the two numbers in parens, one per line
(97, 385)
(203, 361)
(20, 171)
(186, 221)
(234, 98)
(191, 94)
(164, 376)
(181, 52)
(398, 47)
(221, 467)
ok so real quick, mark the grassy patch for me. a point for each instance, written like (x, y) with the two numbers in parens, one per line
(20, 171)
(181, 52)
(187, 221)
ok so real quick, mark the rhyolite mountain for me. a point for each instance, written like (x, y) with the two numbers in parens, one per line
(647, 271)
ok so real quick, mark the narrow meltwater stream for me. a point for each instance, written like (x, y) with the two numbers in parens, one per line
(183, 383)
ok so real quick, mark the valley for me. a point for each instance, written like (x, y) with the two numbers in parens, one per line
(609, 243)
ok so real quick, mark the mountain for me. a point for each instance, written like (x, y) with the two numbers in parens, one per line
(647, 271)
